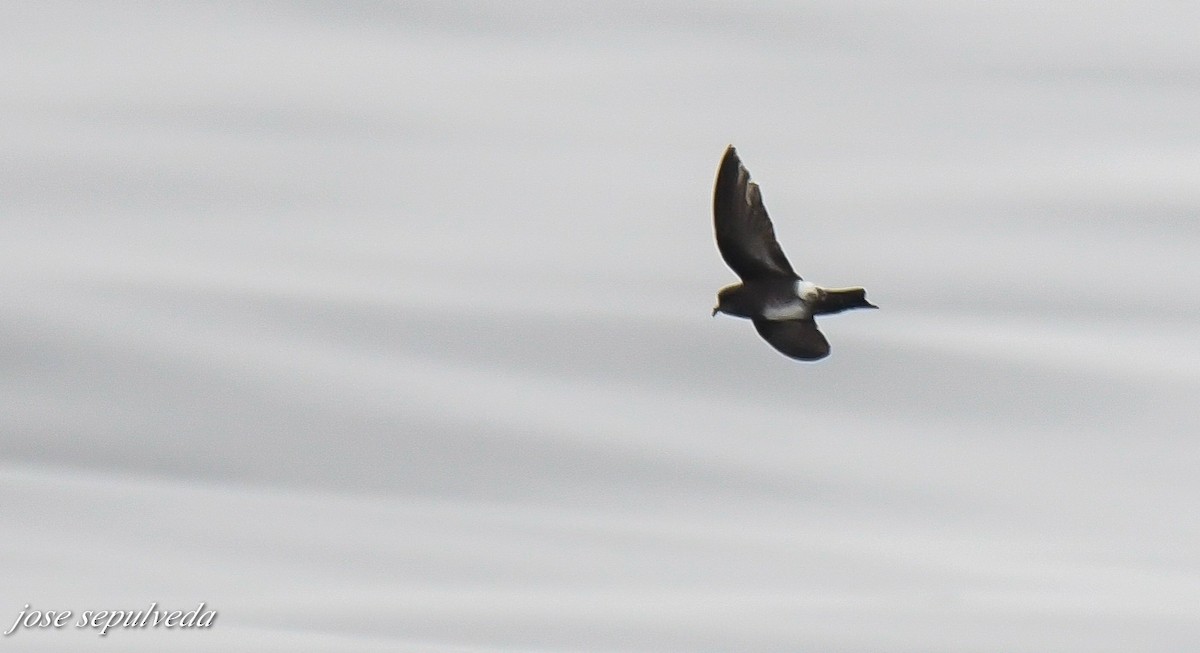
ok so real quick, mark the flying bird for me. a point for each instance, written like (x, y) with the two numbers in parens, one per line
(780, 303)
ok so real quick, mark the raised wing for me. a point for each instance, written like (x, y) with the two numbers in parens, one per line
(745, 235)
(799, 339)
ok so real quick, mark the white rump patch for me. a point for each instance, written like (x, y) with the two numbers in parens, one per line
(807, 291)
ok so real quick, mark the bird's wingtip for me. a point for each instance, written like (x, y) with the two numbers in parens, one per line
(731, 156)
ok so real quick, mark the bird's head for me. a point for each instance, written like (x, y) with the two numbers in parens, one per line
(725, 300)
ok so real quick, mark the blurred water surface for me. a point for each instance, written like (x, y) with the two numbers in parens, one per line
(385, 326)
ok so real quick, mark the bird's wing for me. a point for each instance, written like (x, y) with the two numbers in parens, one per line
(745, 235)
(798, 339)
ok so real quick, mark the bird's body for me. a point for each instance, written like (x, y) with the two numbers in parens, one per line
(780, 303)
(774, 299)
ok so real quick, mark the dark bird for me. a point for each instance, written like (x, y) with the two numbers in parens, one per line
(771, 294)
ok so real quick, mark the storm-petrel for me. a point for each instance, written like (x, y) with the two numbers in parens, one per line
(771, 294)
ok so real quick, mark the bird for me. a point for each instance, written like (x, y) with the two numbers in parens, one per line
(778, 301)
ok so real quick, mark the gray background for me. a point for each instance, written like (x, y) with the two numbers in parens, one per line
(385, 326)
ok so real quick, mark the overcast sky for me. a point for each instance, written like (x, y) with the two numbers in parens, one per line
(385, 326)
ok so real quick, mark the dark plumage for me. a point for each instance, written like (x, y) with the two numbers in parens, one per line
(771, 294)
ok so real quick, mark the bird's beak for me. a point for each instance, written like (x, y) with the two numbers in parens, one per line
(715, 309)
(870, 305)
